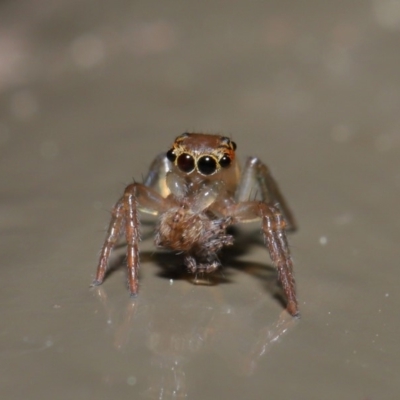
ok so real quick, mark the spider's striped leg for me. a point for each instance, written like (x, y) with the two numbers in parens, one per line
(273, 227)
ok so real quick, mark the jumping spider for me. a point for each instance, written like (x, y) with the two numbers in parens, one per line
(197, 190)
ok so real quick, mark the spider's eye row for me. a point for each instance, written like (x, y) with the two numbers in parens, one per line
(186, 162)
(206, 165)
(171, 155)
(225, 161)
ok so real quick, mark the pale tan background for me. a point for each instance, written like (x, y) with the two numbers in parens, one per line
(91, 91)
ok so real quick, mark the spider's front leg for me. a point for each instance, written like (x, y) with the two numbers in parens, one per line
(113, 233)
(257, 177)
(273, 226)
(126, 214)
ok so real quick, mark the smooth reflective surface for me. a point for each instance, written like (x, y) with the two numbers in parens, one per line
(91, 94)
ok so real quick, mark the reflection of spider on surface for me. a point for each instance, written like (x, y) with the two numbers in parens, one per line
(197, 190)
(168, 368)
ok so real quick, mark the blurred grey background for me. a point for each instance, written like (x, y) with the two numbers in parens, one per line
(91, 91)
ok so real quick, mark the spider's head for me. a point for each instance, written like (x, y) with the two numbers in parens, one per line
(205, 154)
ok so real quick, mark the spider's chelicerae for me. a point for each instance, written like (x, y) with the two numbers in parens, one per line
(197, 190)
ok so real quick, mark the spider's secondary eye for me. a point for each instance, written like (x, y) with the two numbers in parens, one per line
(234, 145)
(171, 156)
(186, 162)
(225, 161)
(207, 165)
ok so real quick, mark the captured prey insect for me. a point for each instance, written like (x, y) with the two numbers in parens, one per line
(197, 190)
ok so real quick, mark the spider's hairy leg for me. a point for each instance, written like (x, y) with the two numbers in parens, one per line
(126, 214)
(138, 196)
(132, 236)
(273, 226)
(113, 233)
(257, 177)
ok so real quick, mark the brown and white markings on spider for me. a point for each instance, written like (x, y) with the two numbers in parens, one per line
(197, 190)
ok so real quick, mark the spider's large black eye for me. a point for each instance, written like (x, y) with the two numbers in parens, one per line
(186, 162)
(206, 165)
(225, 161)
(171, 156)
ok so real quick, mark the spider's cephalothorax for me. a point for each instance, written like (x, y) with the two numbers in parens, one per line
(197, 190)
